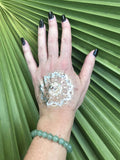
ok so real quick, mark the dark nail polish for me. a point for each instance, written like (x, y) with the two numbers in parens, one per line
(23, 41)
(63, 18)
(95, 53)
(50, 15)
(41, 23)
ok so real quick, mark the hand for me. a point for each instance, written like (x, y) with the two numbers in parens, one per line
(50, 62)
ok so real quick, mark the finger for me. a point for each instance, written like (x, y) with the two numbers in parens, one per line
(52, 37)
(66, 44)
(87, 68)
(29, 57)
(42, 49)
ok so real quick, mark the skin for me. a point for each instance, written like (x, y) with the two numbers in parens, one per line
(56, 120)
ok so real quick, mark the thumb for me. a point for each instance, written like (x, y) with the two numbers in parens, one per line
(87, 68)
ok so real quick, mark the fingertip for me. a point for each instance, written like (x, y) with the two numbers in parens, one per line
(50, 15)
(26, 48)
(41, 29)
(41, 23)
(65, 22)
(63, 18)
(25, 44)
(90, 59)
(52, 18)
(52, 21)
(95, 53)
(23, 41)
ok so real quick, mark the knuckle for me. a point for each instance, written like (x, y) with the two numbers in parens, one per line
(41, 32)
(28, 61)
(41, 48)
(53, 39)
(27, 50)
(51, 56)
(66, 39)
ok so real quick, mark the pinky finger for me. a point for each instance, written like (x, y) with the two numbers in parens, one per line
(29, 57)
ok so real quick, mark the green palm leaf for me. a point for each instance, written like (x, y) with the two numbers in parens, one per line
(95, 24)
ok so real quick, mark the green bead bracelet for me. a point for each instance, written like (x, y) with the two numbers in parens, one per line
(55, 138)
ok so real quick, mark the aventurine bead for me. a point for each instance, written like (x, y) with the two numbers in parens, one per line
(35, 132)
(65, 144)
(32, 134)
(61, 141)
(39, 133)
(50, 137)
(69, 148)
(44, 134)
(55, 138)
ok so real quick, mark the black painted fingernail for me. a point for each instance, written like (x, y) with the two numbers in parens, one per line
(63, 18)
(95, 53)
(41, 23)
(23, 41)
(50, 15)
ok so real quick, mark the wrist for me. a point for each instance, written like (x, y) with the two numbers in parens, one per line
(56, 123)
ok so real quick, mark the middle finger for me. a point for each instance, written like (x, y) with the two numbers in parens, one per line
(52, 37)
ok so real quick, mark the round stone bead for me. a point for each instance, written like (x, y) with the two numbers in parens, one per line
(69, 148)
(50, 137)
(65, 144)
(44, 134)
(61, 141)
(32, 134)
(39, 133)
(55, 138)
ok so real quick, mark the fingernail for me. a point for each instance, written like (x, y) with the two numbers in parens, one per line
(95, 53)
(50, 15)
(63, 18)
(41, 23)
(23, 41)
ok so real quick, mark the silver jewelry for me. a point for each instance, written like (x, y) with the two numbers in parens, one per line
(56, 89)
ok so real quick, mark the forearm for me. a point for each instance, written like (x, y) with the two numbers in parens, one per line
(44, 149)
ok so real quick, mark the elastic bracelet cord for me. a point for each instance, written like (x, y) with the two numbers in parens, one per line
(51, 137)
